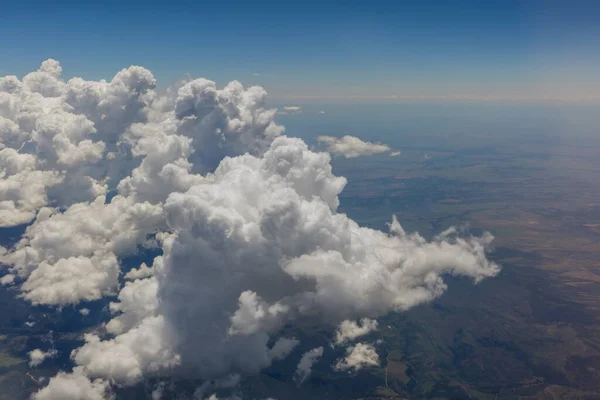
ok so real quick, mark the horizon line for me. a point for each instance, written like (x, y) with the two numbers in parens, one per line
(465, 97)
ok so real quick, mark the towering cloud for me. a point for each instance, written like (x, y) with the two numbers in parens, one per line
(245, 220)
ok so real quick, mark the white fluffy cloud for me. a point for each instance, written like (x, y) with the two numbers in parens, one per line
(63, 133)
(66, 257)
(350, 330)
(351, 146)
(359, 356)
(75, 386)
(129, 355)
(71, 280)
(65, 144)
(246, 220)
(37, 356)
(139, 273)
(7, 280)
(304, 368)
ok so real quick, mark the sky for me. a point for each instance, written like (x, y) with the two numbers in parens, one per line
(352, 50)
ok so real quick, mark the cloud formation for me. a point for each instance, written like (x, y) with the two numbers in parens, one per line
(304, 368)
(290, 110)
(75, 386)
(350, 330)
(245, 221)
(357, 357)
(351, 146)
(282, 348)
(37, 356)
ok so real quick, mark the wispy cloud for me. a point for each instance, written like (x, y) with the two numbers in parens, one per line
(261, 74)
(291, 110)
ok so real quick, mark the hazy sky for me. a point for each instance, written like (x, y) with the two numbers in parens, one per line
(301, 50)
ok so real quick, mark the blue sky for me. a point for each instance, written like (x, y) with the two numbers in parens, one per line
(358, 50)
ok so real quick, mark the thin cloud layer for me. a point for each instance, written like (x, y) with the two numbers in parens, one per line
(290, 110)
(351, 147)
(245, 220)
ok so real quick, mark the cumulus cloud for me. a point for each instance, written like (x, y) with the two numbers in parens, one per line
(71, 280)
(56, 136)
(66, 144)
(7, 280)
(139, 273)
(357, 357)
(130, 355)
(37, 356)
(282, 348)
(304, 368)
(66, 257)
(136, 301)
(351, 146)
(350, 330)
(395, 153)
(75, 386)
(245, 220)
